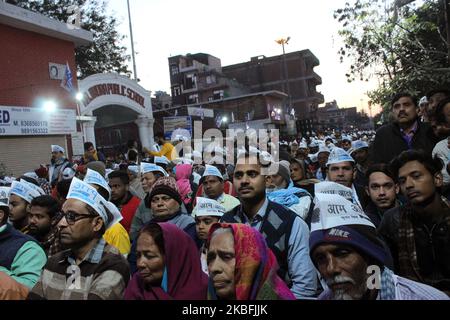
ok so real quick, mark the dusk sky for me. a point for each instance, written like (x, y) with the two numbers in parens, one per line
(235, 31)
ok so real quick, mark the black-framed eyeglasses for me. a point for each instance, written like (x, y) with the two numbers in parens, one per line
(72, 217)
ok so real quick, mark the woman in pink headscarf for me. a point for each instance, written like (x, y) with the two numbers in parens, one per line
(182, 175)
(168, 265)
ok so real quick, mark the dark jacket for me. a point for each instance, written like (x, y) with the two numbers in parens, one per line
(432, 244)
(389, 142)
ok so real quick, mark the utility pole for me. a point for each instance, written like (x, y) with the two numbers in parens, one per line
(132, 42)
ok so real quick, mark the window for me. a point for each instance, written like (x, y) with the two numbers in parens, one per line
(210, 98)
(173, 69)
(218, 94)
(193, 98)
(210, 79)
(176, 91)
(190, 82)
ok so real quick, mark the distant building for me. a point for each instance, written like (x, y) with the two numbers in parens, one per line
(332, 117)
(267, 73)
(197, 78)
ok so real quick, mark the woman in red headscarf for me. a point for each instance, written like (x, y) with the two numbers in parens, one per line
(168, 265)
(241, 266)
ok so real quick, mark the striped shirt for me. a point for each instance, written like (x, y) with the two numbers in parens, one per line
(102, 274)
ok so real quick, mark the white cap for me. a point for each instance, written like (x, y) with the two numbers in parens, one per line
(303, 145)
(68, 173)
(359, 144)
(162, 160)
(32, 175)
(423, 100)
(133, 169)
(338, 155)
(4, 196)
(27, 191)
(330, 187)
(313, 144)
(208, 207)
(346, 138)
(151, 167)
(56, 148)
(323, 148)
(93, 177)
(212, 171)
(331, 210)
(83, 192)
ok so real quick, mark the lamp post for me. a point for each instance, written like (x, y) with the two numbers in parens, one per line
(282, 42)
(132, 42)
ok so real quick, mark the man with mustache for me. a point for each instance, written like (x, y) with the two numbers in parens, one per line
(351, 259)
(285, 232)
(382, 190)
(405, 133)
(418, 233)
(89, 269)
(342, 169)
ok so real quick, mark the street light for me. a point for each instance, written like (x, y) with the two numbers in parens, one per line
(79, 96)
(49, 106)
(225, 119)
(282, 42)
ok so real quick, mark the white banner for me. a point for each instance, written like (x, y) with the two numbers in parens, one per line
(329, 187)
(200, 112)
(331, 210)
(24, 121)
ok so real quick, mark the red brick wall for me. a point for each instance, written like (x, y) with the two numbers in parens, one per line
(24, 76)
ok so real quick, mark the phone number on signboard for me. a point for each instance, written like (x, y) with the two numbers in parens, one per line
(25, 123)
(33, 130)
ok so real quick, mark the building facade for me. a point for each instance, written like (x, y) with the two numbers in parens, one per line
(268, 73)
(196, 78)
(35, 53)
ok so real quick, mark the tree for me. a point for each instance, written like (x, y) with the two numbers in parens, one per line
(105, 54)
(404, 48)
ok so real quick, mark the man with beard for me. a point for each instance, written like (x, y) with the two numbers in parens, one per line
(43, 217)
(418, 232)
(352, 260)
(405, 133)
(58, 163)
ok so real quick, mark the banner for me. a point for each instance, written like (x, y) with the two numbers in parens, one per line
(22, 121)
(173, 123)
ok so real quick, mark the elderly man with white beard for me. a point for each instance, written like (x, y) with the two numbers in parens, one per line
(351, 259)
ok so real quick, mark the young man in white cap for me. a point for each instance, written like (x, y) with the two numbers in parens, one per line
(351, 259)
(58, 163)
(97, 270)
(117, 235)
(360, 152)
(21, 257)
(213, 187)
(206, 213)
(342, 170)
(322, 159)
(150, 173)
(21, 195)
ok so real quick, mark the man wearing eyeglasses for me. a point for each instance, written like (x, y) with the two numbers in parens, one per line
(89, 268)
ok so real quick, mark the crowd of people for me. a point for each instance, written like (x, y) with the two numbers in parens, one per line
(344, 215)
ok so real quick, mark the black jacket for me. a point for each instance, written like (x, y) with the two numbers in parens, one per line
(389, 142)
(432, 246)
